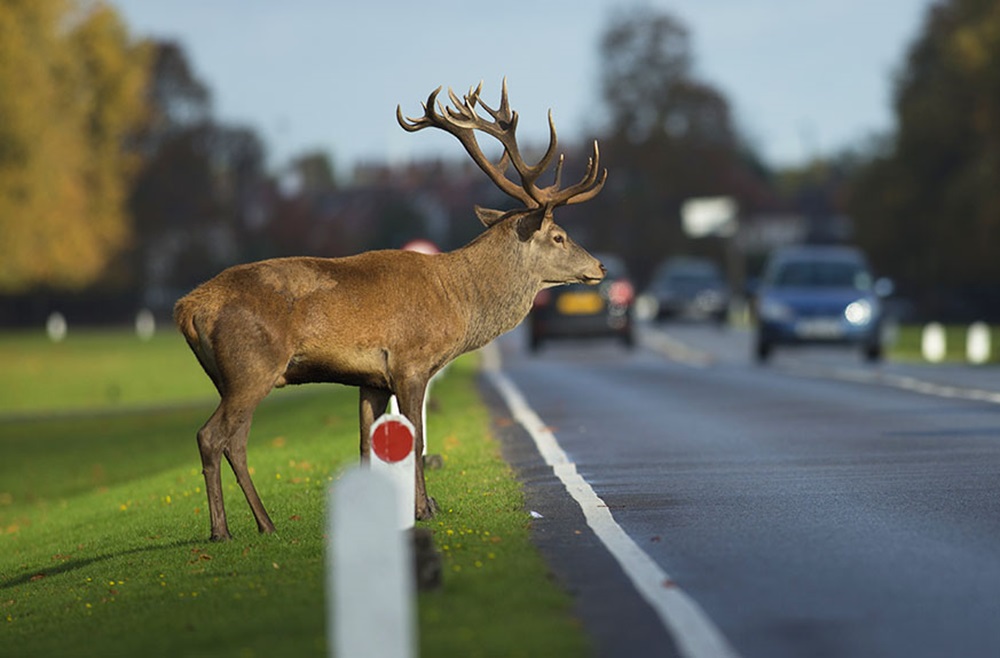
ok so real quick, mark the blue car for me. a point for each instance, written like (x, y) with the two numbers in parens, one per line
(819, 295)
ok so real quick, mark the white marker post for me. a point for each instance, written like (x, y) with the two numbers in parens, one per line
(56, 327)
(977, 343)
(369, 584)
(392, 455)
(933, 343)
(145, 324)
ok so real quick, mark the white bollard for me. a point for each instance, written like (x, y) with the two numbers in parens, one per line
(392, 455)
(145, 324)
(932, 343)
(977, 343)
(369, 583)
(56, 327)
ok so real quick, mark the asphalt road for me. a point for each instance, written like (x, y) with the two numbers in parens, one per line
(812, 507)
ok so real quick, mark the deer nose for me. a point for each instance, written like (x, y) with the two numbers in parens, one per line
(604, 270)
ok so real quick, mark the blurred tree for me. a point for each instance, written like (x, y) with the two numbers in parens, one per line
(927, 205)
(670, 137)
(199, 194)
(70, 96)
(314, 173)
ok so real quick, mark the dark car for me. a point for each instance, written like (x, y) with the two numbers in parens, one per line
(818, 295)
(582, 311)
(690, 288)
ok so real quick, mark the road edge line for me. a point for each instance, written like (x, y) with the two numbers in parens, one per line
(694, 633)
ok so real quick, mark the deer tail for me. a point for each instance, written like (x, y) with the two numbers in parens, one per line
(192, 325)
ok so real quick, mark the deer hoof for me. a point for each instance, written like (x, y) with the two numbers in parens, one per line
(428, 510)
(220, 536)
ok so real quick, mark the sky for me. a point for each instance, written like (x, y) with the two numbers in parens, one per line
(803, 77)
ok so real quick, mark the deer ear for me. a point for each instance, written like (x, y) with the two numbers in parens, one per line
(487, 216)
(528, 224)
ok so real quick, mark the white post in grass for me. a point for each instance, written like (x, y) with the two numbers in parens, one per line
(370, 588)
(932, 343)
(56, 327)
(977, 343)
(392, 455)
(145, 324)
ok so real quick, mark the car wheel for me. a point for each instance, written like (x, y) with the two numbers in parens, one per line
(763, 350)
(535, 343)
(628, 338)
(873, 353)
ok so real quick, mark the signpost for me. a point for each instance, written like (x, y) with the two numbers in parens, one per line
(717, 216)
(706, 216)
(422, 246)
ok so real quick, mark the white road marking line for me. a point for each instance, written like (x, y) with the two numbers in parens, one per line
(694, 633)
(902, 382)
(683, 353)
(675, 350)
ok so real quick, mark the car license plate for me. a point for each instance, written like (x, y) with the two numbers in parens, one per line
(579, 303)
(820, 328)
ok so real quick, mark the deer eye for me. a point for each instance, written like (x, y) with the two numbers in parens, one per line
(558, 239)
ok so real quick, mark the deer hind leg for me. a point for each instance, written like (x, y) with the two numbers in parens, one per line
(212, 440)
(225, 434)
(236, 454)
(245, 373)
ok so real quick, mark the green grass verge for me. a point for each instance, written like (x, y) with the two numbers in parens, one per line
(103, 522)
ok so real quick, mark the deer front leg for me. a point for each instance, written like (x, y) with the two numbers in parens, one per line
(411, 403)
(372, 404)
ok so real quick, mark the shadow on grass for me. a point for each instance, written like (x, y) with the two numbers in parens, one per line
(69, 566)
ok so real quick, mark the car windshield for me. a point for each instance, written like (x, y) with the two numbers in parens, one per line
(822, 274)
(689, 274)
(694, 278)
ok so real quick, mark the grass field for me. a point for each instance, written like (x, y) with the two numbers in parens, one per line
(103, 520)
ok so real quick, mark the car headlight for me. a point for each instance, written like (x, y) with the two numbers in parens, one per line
(775, 311)
(859, 312)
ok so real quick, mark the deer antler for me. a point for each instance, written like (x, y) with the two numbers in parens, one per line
(461, 119)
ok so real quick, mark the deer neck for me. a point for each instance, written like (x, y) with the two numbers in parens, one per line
(495, 282)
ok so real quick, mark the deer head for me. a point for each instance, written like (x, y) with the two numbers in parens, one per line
(533, 223)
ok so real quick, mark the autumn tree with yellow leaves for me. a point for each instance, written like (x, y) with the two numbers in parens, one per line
(72, 90)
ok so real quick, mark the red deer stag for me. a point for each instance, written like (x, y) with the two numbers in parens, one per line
(384, 321)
